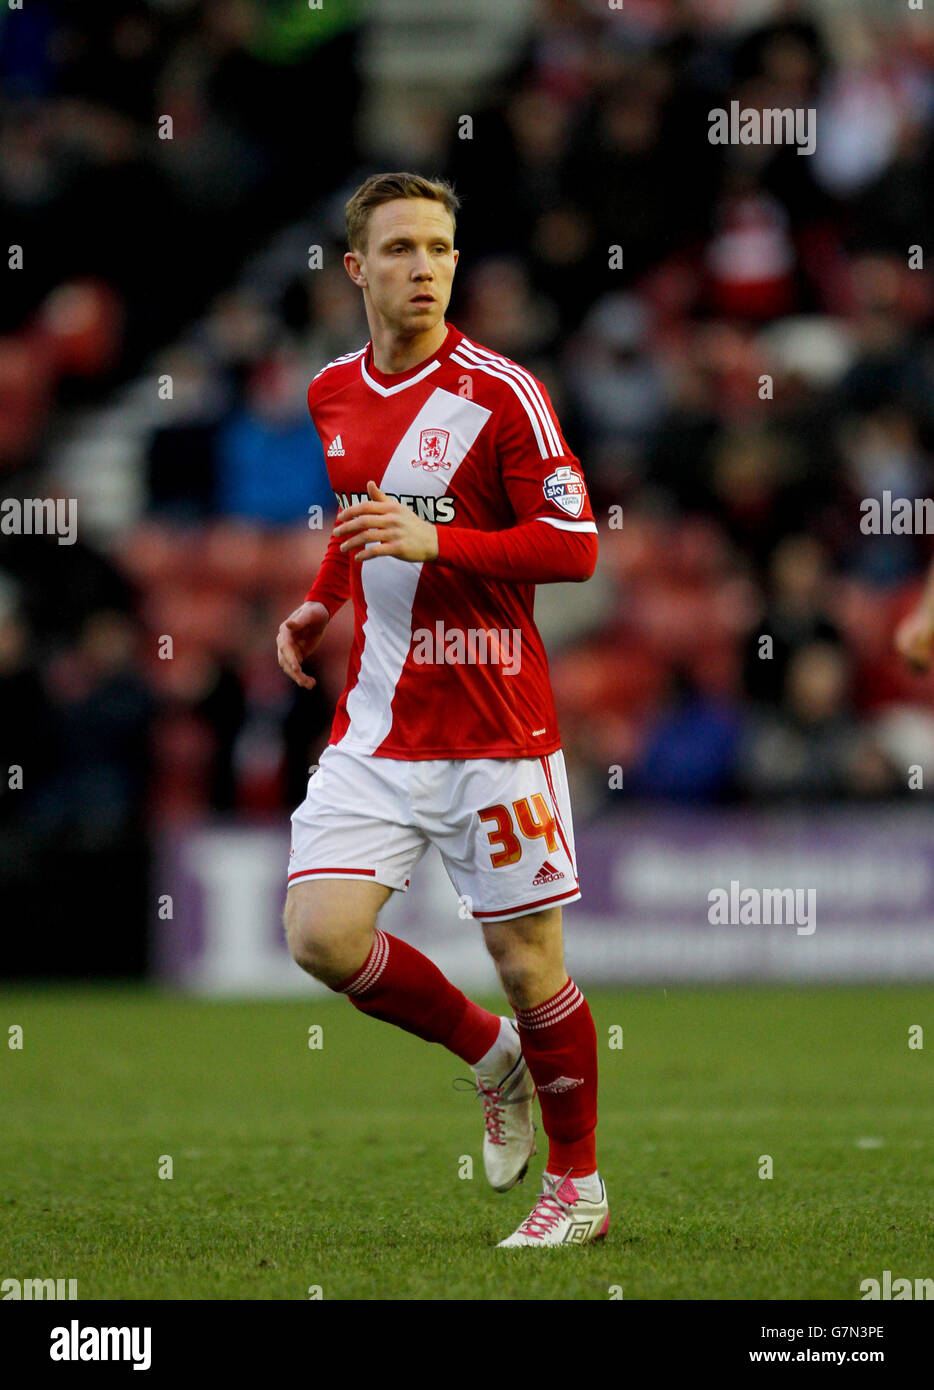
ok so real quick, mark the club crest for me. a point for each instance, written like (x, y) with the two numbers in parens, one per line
(432, 447)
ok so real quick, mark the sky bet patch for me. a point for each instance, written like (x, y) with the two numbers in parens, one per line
(565, 487)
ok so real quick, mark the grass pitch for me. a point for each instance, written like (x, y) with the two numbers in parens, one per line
(339, 1167)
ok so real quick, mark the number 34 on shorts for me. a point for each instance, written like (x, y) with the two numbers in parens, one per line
(502, 826)
(531, 830)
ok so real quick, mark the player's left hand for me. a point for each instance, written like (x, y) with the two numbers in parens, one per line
(383, 526)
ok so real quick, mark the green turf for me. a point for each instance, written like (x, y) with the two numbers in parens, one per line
(338, 1167)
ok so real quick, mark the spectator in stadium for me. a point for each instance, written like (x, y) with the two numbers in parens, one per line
(270, 463)
(690, 749)
(812, 748)
(795, 615)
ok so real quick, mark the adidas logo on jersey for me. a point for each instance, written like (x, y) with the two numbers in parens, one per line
(336, 448)
(546, 874)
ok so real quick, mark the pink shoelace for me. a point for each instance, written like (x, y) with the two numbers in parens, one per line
(548, 1210)
(493, 1107)
(493, 1113)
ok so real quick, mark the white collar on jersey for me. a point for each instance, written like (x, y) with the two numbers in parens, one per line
(391, 390)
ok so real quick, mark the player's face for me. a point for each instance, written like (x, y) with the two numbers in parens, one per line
(407, 269)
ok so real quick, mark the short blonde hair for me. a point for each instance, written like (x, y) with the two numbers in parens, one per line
(384, 188)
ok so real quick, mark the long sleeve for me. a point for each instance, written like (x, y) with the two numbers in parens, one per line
(555, 535)
(332, 582)
(534, 552)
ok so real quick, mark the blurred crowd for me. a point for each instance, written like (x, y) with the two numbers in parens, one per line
(738, 341)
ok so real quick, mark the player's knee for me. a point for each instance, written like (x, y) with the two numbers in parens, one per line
(528, 984)
(529, 972)
(515, 956)
(304, 946)
(326, 949)
(517, 969)
(310, 944)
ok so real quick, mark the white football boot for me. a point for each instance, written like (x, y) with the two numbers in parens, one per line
(509, 1134)
(561, 1217)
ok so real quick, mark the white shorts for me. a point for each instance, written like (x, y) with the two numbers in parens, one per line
(502, 825)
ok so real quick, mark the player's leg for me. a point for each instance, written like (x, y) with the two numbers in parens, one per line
(331, 927)
(529, 956)
(557, 1032)
(559, 1043)
(353, 843)
(503, 827)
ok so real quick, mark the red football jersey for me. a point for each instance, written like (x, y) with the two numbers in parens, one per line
(446, 660)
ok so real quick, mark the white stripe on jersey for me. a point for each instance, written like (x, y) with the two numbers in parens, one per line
(529, 407)
(389, 584)
(338, 361)
(512, 369)
(521, 374)
(402, 385)
(561, 525)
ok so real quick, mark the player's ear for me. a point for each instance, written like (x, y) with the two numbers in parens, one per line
(354, 268)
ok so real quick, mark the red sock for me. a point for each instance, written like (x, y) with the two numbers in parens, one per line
(399, 985)
(559, 1043)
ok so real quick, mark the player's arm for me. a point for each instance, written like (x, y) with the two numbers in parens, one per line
(534, 552)
(531, 553)
(554, 540)
(332, 582)
(302, 630)
(914, 636)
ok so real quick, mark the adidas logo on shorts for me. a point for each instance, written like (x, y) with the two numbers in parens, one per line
(546, 874)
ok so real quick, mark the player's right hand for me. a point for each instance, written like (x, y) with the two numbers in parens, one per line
(914, 639)
(298, 636)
